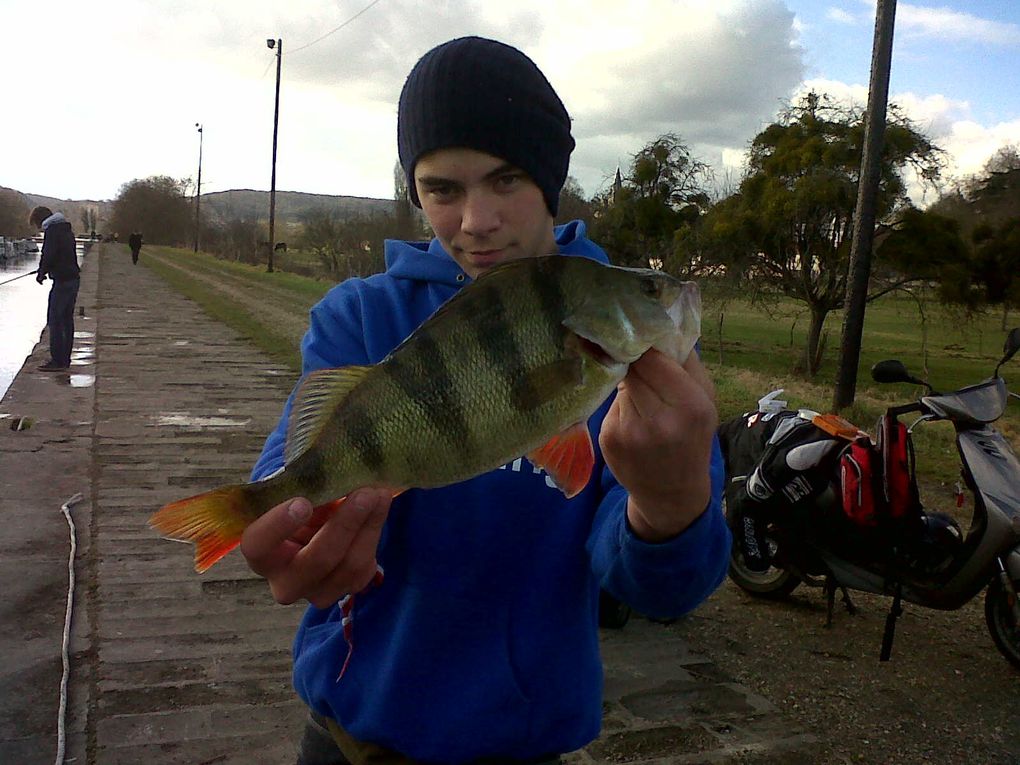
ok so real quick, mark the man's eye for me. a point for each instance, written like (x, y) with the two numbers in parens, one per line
(441, 192)
(508, 181)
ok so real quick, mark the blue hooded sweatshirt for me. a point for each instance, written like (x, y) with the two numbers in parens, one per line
(482, 641)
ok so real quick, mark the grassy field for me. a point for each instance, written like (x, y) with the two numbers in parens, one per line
(755, 352)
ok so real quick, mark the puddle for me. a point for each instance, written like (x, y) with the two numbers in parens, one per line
(183, 342)
(84, 335)
(86, 354)
(186, 420)
(82, 381)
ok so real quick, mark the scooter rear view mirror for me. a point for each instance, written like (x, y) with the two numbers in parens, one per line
(1011, 346)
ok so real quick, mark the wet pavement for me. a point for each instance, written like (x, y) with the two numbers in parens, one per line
(170, 667)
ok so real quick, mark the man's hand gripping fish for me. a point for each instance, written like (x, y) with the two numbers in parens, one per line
(514, 364)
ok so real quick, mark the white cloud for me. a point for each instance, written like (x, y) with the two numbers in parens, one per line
(840, 16)
(971, 144)
(943, 24)
(949, 25)
(709, 72)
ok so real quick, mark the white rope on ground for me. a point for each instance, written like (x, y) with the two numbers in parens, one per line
(61, 734)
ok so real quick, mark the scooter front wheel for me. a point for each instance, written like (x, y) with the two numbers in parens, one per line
(774, 583)
(1002, 621)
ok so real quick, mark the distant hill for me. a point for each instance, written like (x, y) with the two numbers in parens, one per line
(221, 206)
(291, 206)
(72, 208)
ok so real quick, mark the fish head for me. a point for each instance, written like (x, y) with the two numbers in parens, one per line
(623, 312)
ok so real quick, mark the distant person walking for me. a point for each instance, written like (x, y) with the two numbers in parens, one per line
(135, 243)
(60, 263)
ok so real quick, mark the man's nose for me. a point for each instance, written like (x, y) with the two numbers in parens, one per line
(481, 213)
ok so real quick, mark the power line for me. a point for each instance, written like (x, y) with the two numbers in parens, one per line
(332, 31)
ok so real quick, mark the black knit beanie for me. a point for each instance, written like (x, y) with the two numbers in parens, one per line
(481, 94)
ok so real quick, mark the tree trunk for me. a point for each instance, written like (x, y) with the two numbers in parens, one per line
(719, 330)
(812, 351)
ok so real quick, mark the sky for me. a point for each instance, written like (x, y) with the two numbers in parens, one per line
(98, 94)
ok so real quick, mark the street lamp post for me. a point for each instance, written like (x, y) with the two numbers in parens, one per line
(198, 194)
(278, 44)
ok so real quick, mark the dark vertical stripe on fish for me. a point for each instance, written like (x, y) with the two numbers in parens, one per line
(497, 340)
(308, 471)
(546, 283)
(428, 375)
(359, 426)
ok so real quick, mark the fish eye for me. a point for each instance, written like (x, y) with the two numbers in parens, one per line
(650, 287)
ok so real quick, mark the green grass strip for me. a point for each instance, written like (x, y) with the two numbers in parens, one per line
(239, 316)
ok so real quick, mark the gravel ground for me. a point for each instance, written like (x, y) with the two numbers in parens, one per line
(946, 695)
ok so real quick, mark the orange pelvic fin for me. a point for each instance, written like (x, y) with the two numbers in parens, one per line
(213, 521)
(568, 458)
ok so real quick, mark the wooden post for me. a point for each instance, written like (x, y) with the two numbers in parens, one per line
(864, 214)
(272, 186)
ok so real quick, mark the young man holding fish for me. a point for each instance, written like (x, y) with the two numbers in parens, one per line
(481, 642)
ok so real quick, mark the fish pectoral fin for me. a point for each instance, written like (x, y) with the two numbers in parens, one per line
(316, 399)
(320, 513)
(568, 458)
(543, 384)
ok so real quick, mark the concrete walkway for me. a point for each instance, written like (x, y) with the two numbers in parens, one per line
(171, 667)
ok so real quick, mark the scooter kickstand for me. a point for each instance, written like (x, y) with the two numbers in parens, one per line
(890, 625)
(830, 598)
(850, 607)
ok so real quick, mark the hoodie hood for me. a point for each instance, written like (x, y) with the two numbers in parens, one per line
(55, 218)
(428, 261)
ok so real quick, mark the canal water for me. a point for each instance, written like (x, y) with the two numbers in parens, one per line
(22, 313)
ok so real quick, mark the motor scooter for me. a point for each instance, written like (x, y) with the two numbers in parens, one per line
(798, 531)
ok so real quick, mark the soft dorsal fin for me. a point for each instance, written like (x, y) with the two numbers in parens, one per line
(568, 458)
(314, 403)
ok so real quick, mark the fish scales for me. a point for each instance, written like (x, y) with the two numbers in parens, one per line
(460, 376)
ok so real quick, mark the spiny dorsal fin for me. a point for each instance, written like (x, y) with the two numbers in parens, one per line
(315, 402)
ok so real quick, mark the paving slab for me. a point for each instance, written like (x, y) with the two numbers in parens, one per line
(170, 667)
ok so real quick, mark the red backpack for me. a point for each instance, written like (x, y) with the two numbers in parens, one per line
(858, 471)
(878, 480)
(899, 480)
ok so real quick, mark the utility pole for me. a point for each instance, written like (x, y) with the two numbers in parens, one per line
(278, 44)
(864, 214)
(198, 195)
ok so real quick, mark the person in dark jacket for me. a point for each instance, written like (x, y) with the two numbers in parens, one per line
(59, 262)
(135, 243)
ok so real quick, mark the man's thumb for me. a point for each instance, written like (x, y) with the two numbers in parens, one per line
(261, 540)
(299, 510)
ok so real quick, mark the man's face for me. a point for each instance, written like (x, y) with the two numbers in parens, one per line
(484, 210)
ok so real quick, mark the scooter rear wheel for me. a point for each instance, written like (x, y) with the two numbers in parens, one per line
(1001, 620)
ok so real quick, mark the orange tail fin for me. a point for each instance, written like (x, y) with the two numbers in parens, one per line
(214, 521)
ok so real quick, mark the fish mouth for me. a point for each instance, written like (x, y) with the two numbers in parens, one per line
(592, 349)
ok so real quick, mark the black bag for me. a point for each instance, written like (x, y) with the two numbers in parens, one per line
(773, 460)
